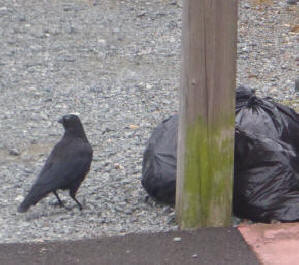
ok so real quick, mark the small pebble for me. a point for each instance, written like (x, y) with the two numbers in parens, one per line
(177, 239)
(292, 2)
(19, 198)
(14, 152)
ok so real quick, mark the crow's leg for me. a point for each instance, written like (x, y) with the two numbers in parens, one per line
(60, 202)
(73, 196)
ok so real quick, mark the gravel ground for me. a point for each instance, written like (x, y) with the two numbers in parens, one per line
(117, 64)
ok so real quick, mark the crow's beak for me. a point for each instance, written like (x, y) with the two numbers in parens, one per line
(60, 121)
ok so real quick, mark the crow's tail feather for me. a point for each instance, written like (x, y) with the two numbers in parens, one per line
(33, 197)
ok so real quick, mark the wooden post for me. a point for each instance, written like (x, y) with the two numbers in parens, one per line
(207, 114)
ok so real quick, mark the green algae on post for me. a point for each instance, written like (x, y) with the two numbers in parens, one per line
(208, 175)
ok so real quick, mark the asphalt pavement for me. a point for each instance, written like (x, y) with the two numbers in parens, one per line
(208, 246)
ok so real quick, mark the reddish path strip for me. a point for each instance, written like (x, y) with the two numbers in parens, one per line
(274, 244)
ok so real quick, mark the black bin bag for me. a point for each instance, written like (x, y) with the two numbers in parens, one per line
(264, 116)
(159, 161)
(266, 182)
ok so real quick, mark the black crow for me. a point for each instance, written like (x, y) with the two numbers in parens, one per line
(65, 168)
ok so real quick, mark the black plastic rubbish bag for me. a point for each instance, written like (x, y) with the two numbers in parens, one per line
(264, 116)
(159, 161)
(160, 156)
(266, 184)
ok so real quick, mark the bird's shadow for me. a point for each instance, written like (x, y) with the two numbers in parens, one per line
(34, 215)
(55, 210)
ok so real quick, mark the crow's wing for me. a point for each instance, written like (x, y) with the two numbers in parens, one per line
(65, 165)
